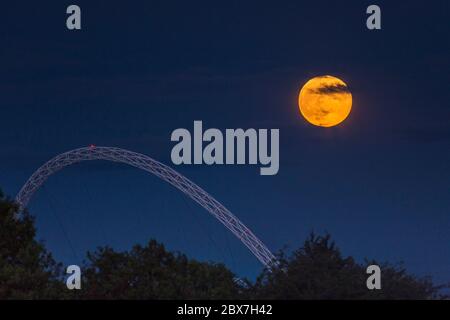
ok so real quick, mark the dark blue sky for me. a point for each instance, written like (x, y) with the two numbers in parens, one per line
(379, 183)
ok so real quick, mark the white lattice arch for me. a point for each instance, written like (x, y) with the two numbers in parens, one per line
(160, 170)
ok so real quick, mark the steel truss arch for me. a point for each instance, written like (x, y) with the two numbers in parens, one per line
(229, 220)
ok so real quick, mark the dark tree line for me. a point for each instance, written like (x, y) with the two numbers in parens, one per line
(319, 271)
(315, 271)
(27, 270)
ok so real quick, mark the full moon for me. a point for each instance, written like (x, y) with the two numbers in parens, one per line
(325, 101)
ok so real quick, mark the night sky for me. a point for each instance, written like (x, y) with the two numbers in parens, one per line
(378, 183)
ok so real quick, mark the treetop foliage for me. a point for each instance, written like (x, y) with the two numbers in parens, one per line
(317, 270)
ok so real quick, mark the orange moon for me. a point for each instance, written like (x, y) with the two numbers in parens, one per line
(325, 101)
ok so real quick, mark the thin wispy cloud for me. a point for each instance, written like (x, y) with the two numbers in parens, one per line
(331, 89)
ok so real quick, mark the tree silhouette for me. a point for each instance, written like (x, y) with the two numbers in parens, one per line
(317, 270)
(151, 272)
(27, 270)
